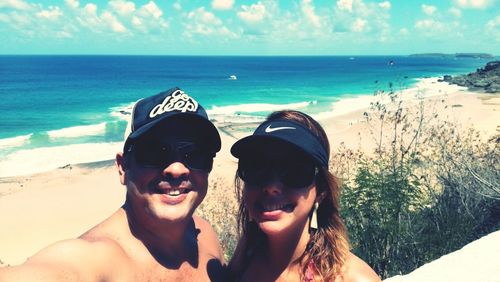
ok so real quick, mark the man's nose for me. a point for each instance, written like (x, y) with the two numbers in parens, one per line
(176, 170)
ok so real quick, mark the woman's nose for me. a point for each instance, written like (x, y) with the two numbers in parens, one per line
(273, 187)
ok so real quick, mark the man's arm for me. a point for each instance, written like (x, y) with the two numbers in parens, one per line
(70, 260)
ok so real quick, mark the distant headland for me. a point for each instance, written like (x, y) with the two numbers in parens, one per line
(487, 78)
(456, 55)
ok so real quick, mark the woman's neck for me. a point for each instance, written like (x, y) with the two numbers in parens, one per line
(285, 250)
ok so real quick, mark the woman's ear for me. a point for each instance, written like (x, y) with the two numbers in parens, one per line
(320, 197)
(121, 167)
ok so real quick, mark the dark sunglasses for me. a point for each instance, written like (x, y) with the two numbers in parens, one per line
(293, 172)
(162, 155)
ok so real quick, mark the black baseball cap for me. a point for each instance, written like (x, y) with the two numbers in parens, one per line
(286, 131)
(172, 105)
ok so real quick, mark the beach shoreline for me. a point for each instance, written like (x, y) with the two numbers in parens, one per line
(38, 209)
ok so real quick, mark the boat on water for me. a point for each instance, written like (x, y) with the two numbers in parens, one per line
(233, 77)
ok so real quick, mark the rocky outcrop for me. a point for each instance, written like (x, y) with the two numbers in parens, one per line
(487, 78)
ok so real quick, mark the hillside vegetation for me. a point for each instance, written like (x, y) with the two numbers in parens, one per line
(428, 188)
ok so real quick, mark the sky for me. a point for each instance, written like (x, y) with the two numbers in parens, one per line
(249, 27)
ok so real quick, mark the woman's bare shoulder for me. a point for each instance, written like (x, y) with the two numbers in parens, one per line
(356, 270)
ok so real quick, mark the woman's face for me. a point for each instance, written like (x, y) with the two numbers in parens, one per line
(279, 189)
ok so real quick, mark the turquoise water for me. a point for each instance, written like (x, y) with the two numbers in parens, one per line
(66, 109)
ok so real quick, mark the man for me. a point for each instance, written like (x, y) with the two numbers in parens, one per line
(168, 154)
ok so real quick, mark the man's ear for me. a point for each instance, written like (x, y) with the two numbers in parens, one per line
(121, 167)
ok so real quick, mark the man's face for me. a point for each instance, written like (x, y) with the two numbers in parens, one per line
(167, 174)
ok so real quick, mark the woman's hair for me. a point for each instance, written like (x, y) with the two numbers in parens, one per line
(328, 246)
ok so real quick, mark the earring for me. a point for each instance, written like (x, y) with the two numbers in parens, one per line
(314, 218)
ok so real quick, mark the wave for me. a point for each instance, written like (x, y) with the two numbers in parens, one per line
(122, 112)
(14, 141)
(254, 108)
(78, 131)
(29, 161)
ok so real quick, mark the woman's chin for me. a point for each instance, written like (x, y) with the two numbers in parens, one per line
(273, 227)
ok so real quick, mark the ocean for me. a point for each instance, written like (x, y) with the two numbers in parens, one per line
(59, 110)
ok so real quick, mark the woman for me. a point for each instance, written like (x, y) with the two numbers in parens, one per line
(289, 206)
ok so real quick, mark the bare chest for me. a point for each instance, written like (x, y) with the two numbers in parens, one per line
(205, 269)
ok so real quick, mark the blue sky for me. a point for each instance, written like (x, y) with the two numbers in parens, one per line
(265, 27)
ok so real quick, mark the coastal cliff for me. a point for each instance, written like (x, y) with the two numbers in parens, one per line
(487, 78)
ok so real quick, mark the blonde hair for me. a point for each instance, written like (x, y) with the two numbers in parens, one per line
(328, 246)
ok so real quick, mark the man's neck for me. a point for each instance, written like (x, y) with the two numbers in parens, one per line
(169, 242)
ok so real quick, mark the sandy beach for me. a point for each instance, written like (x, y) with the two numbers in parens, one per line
(36, 210)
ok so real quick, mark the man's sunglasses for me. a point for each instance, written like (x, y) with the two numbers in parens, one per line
(294, 173)
(162, 155)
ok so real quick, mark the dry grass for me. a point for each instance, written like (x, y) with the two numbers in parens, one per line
(220, 208)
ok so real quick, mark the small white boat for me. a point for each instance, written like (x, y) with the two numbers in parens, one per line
(232, 77)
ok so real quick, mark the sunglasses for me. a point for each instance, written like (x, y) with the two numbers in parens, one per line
(293, 172)
(150, 154)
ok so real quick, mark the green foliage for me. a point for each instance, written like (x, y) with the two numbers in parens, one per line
(427, 189)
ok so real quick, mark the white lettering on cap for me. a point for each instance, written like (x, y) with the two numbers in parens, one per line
(177, 101)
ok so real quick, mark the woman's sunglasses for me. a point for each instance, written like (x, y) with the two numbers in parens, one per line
(294, 172)
(162, 155)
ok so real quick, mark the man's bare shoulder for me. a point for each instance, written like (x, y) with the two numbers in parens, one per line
(69, 260)
(356, 270)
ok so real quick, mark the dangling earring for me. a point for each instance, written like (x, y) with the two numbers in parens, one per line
(314, 218)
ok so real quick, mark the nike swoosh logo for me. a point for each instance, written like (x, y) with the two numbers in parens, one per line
(269, 129)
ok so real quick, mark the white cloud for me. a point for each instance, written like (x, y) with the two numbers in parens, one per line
(428, 9)
(474, 4)
(113, 22)
(403, 31)
(385, 5)
(151, 9)
(15, 4)
(203, 16)
(149, 18)
(107, 21)
(431, 27)
(121, 7)
(222, 4)
(494, 23)
(493, 28)
(73, 4)
(345, 5)
(177, 6)
(359, 25)
(252, 14)
(203, 22)
(52, 14)
(311, 16)
(455, 12)
(90, 9)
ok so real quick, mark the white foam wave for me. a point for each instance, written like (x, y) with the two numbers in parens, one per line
(253, 108)
(77, 131)
(424, 88)
(14, 141)
(122, 112)
(36, 160)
